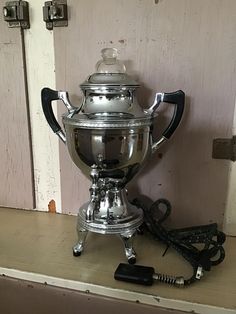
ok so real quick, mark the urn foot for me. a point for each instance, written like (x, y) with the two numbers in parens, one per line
(79, 247)
(128, 246)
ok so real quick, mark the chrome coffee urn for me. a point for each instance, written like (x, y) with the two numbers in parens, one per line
(109, 137)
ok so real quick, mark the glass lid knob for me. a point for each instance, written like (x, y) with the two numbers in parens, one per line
(110, 63)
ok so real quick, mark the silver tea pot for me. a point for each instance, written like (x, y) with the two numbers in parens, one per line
(109, 137)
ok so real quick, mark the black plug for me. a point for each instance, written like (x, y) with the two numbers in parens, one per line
(144, 275)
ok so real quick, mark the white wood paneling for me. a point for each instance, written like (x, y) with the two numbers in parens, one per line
(230, 213)
(41, 72)
(16, 187)
(167, 45)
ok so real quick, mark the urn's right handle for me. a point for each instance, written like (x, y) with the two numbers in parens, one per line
(177, 98)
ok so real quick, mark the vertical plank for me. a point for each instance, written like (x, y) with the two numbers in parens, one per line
(167, 45)
(45, 145)
(16, 188)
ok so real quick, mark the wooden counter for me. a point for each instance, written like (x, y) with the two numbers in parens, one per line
(37, 246)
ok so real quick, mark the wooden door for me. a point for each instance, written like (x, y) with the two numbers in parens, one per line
(167, 45)
(16, 175)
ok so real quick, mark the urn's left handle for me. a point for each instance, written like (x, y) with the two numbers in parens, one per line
(47, 96)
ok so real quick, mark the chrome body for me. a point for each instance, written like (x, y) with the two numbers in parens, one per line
(118, 153)
(109, 148)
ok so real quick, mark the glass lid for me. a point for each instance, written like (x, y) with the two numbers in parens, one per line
(109, 62)
(109, 71)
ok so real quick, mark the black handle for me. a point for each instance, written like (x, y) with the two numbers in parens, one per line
(177, 98)
(47, 96)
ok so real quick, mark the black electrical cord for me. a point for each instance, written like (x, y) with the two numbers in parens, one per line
(185, 240)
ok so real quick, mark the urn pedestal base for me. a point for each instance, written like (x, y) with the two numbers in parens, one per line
(125, 226)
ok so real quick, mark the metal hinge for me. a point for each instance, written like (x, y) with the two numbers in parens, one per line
(16, 13)
(224, 148)
(55, 13)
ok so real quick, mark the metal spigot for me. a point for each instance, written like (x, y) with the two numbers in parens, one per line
(94, 194)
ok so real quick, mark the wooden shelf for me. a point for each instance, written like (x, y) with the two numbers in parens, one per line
(37, 246)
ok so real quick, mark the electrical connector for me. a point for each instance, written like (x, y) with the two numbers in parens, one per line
(144, 275)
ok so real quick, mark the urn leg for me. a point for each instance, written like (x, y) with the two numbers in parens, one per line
(128, 245)
(82, 234)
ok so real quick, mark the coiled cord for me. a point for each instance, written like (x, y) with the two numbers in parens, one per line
(171, 280)
(184, 240)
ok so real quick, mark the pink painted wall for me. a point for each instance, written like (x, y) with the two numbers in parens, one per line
(167, 45)
(16, 171)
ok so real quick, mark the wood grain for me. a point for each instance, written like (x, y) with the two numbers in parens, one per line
(16, 188)
(167, 45)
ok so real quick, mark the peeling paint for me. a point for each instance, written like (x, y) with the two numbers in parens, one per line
(52, 207)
